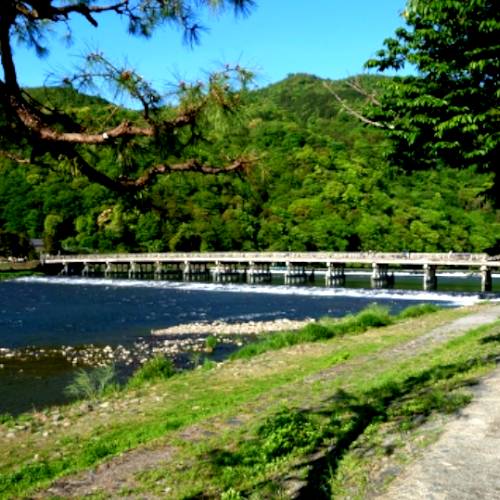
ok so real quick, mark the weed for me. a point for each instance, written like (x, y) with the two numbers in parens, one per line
(287, 431)
(195, 358)
(231, 494)
(90, 384)
(418, 310)
(211, 343)
(208, 364)
(373, 316)
(96, 451)
(158, 368)
(5, 417)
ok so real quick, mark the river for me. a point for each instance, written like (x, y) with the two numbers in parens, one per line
(48, 312)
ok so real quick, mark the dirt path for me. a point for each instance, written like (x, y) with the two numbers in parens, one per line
(463, 463)
(464, 460)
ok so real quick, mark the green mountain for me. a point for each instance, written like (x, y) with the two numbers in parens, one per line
(322, 183)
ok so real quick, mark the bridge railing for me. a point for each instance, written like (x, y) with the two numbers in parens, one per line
(367, 257)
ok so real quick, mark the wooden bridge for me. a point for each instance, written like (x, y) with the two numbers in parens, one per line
(255, 267)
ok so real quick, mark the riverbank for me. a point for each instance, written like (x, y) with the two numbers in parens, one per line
(12, 270)
(344, 414)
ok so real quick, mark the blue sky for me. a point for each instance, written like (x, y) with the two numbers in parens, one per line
(327, 38)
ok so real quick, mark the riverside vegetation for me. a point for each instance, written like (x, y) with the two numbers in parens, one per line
(322, 182)
(334, 417)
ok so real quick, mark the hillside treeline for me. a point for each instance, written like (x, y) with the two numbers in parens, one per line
(321, 183)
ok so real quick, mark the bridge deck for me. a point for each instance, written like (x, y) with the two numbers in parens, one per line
(402, 258)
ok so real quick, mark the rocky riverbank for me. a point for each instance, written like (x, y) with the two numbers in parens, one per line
(183, 343)
(179, 350)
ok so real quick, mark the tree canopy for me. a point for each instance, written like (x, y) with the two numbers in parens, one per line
(321, 184)
(166, 135)
(449, 112)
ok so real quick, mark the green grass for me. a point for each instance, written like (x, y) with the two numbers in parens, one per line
(168, 404)
(354, 421)
(373, 316)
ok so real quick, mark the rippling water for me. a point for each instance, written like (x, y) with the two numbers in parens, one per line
(50, 311)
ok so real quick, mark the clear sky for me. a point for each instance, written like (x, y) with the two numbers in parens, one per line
(327, 38)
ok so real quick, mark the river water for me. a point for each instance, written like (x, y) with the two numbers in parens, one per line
(48, 312)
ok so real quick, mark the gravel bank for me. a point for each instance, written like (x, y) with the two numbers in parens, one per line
(245, 328)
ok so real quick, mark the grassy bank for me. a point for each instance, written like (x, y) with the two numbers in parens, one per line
(9, 270)
(335, 415)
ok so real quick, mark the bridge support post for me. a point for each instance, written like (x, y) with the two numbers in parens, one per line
(430, 280)
(250, 272)
(258, 273)
(65, 269)
(295, 273)
(218, 271)
(85, 270)
(107, 270)
(379, 275)
(227, 271)
(132, 270)
(187, 270)
(335, 275)
(486, 282)
(158, 269)
(311, 275)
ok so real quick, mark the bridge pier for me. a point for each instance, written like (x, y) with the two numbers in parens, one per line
(158, 269)
(335, 274)
(225, 271)
(132, 269)
(486, 281)
(380, 278)
(430, 280)
(295, 273)
(85, 270)
(65, 269)
(258, 273)
(107, 270)
(195, 270)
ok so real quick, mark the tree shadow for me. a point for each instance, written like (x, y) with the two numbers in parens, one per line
(341, 420)
(490, 338)
(415, 396)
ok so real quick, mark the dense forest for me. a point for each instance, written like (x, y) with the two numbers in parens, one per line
(322, 182)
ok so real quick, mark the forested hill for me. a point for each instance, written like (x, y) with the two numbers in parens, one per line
(322, 183)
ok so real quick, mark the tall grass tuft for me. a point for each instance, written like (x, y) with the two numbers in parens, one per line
(158, 368)
(419, 310)
(90, 384)
(211, 343)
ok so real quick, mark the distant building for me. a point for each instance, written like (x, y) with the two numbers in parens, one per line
(38, 244)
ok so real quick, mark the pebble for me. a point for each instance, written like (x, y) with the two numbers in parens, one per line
(245, 328)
